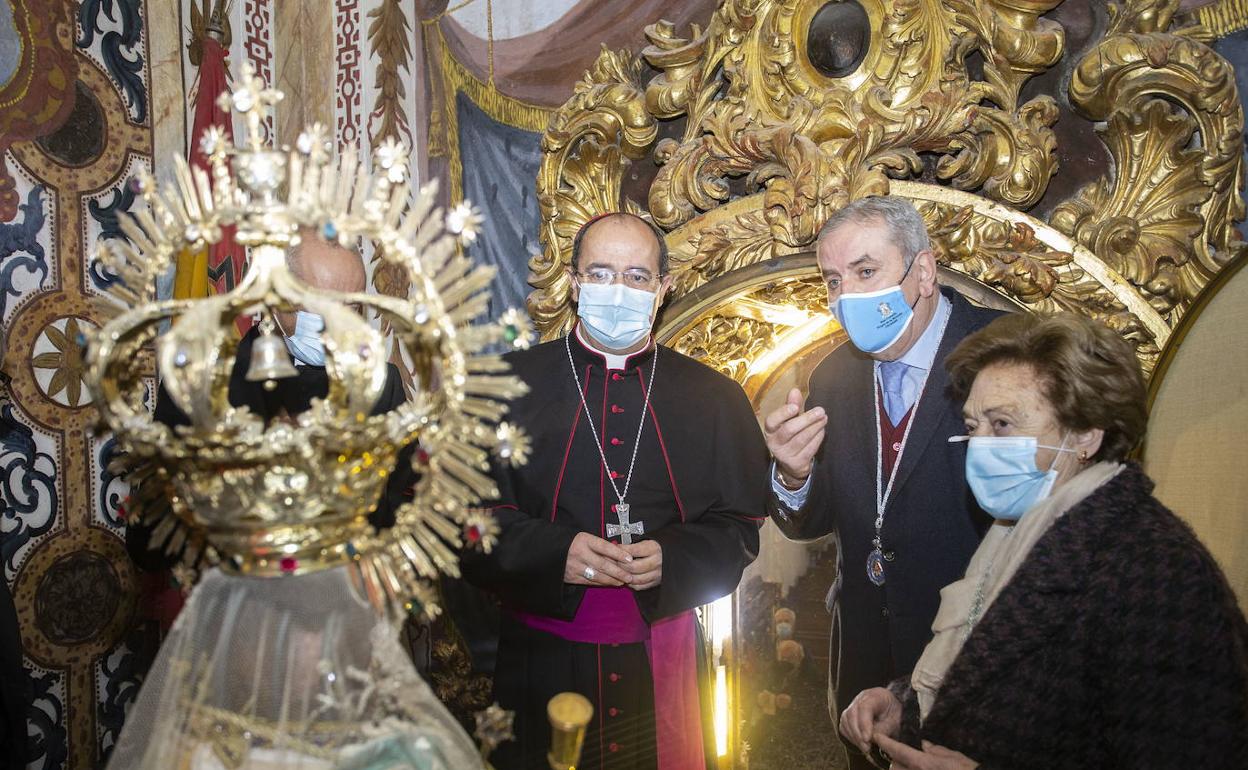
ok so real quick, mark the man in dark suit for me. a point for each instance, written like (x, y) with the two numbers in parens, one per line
(322, 265)
(868, 459)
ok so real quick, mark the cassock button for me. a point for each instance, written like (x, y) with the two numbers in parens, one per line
(614, 747)
(616, 442)
(896, 446)
(613, 711)
(617, 409)
(615, 474)
(614, 677)
(616, 376)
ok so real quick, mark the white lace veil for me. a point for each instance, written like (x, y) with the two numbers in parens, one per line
(293, 672)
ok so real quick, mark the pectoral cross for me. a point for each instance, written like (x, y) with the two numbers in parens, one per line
(625, 529)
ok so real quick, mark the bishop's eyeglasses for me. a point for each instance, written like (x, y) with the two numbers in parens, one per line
(634, 278)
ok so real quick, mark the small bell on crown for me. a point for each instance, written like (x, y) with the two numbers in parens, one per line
(269, 359)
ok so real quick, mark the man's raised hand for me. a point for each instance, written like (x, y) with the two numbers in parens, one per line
(794, 437)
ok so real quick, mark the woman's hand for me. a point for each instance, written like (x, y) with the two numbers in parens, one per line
(932, 757)
(874, 711)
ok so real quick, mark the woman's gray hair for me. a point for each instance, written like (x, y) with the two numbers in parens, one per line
(905, 225)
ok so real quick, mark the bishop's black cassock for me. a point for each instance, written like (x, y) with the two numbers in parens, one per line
(699, 488)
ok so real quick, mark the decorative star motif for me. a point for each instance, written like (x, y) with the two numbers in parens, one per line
(212, 142)
(251, 99)
(391, 157)
(465, 221)
(67, 362)
(480, 530)
(517, 329)
(512, 444)
(250, 94)
(494, 725)
(314, 143)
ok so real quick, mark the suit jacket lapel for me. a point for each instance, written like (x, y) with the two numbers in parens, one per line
(855, 443)
(932, 410)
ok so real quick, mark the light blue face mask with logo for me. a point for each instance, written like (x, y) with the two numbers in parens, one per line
(875, 320)
(305, 344)
(1001, 472)
(615, 315)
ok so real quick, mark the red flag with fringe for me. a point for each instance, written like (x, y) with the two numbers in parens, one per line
(220, 268)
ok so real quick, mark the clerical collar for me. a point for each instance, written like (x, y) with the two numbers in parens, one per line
(610, 360)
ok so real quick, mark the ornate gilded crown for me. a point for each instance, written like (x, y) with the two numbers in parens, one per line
(292, 495)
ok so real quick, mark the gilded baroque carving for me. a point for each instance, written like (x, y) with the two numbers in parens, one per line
(761, 118)
(732, 336)
(771, 145)
(1166, 218)
(585, 149)
(1008, 256)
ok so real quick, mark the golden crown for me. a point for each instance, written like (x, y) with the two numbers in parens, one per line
(293, 495)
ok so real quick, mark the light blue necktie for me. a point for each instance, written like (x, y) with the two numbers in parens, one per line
(892, 377)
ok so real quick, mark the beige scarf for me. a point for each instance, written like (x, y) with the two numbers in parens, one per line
(964, 602)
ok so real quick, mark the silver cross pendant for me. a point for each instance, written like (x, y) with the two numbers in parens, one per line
(625, 529)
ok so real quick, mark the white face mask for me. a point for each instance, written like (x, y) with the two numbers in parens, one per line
(615, 315)
(305, 343)
(1002, 473)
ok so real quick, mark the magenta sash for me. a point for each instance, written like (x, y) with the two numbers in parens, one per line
(610, 616)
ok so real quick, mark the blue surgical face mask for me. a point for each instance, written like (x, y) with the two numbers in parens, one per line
(1001, 472)
(305, 344)
(616, 315)
(875, 320)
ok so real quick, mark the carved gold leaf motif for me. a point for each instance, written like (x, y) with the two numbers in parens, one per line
(770, 146)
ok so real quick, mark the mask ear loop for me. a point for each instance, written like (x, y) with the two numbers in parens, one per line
(1058, 450)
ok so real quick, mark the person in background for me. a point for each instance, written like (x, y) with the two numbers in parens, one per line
(322, 265)
(865, 458)
(641, 501)
(1091, 629)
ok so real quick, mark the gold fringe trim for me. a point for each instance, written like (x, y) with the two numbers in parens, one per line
(1224, 18)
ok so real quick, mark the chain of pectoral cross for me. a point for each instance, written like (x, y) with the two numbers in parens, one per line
(625, 529)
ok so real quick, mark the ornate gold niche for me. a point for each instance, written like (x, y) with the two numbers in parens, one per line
(767, 146)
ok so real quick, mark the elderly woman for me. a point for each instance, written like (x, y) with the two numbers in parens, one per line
(1092, 629)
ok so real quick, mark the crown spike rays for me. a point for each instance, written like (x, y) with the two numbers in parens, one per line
(398, 200)
(487, 364)
(310, 475)
(294, 181)
(338, 191)
(177, 213)
(372, 582)
(473, 456)
(436, 256)
(132, 228)
(203, 186)
(441, 557)
(444, 528)
(389, 580)
(416, 555)
(188, 193)
(480, 407)
(359, 189)
(465, 285)
(418, 215)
